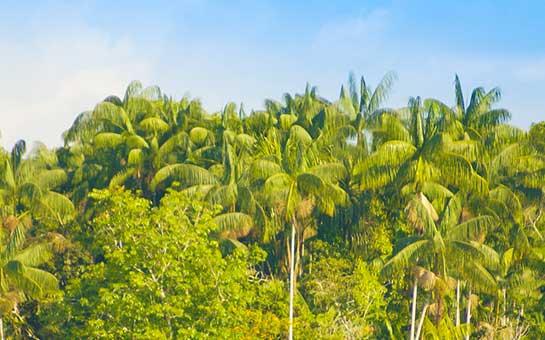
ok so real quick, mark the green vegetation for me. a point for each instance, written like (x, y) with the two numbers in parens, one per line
(157, 220)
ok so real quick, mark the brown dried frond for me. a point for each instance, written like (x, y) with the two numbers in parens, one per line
(8, 301)
(304, 208)
(417, 271)
(58, 242)
(427, 280)
(434, 309)
(10, 222)
(451, 283)
(429, 207)
(309, 232)
(238, 233)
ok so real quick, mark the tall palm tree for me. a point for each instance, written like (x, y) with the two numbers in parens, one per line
(295, 181)
(412, 153)
(478, 117)
(27, 186)
(478, 129)
(364, 104)
(448, 247)
(20, 277)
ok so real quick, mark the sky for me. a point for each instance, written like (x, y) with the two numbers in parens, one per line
(60, 58)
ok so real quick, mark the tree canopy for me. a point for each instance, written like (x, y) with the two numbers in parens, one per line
(328, 219)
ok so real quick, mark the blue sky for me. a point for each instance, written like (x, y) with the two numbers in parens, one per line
(59, 58)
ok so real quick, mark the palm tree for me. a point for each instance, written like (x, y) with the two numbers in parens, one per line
(20, 276)
(363, 105)
(27, 186)
(477, 118)
(295, 181)
(412, 155)
(478, 130)
(145, 133)
(451, 246)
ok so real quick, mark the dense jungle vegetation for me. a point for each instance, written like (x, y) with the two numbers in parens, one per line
(158, 220)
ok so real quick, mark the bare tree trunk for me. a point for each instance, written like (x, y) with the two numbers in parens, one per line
(413, 312)
(504, 302)
(298, 266)
(498, 306)
(421, 322)
(302, 253)
(2, 328)
(468, 317)
(457, 303)
(292, 283)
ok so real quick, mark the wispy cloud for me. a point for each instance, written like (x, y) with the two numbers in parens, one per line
(50, 73)
(354, 31)
(50, 78)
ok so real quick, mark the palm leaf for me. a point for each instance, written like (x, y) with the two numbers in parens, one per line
(187, 174)
(33, 255)
(233, 225)
(382, 91)
(407, 254)
(472, 228)
(108, 140)
(154, 125)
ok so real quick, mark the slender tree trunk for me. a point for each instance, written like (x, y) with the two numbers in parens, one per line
(298, 265)
(292, 283)
(359, 141)
(468, 317)
(457, 303)
(413, 312)
(504, 302)
(498, 306)
(2, 328)
(421, 322)
(302, 261)
(439, 314)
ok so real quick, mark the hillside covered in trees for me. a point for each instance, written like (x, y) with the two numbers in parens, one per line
(159, 220)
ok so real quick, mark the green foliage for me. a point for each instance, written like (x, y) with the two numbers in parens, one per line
(155, 267)
(176, 223)
(347, 298)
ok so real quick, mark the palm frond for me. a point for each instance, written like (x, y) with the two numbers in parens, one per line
(108, 140)
(34, 255)
(472, 228)
(382, 91)
(402, 258)
(233, 225)
(187, 174)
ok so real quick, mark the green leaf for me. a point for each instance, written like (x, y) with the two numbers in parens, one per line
(187, 174)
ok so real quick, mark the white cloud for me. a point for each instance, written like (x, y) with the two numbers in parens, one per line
(50, 78)
(353, 30)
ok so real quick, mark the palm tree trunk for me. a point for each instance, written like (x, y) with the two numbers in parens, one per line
(504, 302)
(498, 306)
(413, 312)
(292, 283)
(457, 303)
(421, 322)
(438, 314)
(468, 316)
(298, 265)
